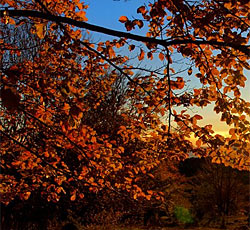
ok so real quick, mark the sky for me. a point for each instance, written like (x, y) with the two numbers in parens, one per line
(106, 13)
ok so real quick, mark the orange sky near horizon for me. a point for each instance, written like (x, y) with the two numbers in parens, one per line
(210, 116)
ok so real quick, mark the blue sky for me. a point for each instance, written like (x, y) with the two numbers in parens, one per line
(106, 13)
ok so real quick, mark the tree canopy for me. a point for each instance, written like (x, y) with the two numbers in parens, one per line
(81, 116)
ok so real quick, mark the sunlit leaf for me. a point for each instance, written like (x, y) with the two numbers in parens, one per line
(123, 19)
(41, 29)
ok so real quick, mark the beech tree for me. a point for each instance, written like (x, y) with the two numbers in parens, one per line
(49, 142)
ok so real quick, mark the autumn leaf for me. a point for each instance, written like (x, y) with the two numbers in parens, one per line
(190, 71)
(139, 23)
(215, 72)
(123, 19)
(81, 195)
(98, 122)
(141, 56)
(73, 197)
(161, 56)
(26, 195)
(141, 10)
(129, 25)
(41, 29)
(198, 117)
(198, 143)
(82, 15)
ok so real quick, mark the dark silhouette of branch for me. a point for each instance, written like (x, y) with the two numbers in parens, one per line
(59, 19)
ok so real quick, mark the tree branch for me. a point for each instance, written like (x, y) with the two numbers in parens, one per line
(59, 19)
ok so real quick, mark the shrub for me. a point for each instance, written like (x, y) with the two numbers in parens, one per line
(183, 215)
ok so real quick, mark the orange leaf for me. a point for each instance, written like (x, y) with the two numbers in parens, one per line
(26, 195)
(82, 15)
(141, 10)
(41, 29)
(81, 195)
(123, 19)
(215, 72)
(198, 143)
(139, 23)
(190, 71)
(161, 56)
(232, 131)
(141, 56)
(73, 197)
(198, 117)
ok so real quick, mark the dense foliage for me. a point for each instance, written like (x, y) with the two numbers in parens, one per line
(80, 119)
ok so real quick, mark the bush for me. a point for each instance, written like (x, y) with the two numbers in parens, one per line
(183, 215)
